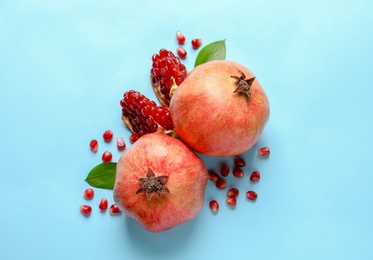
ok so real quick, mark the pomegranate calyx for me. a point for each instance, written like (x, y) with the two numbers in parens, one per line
(153, 185)
(243, 84)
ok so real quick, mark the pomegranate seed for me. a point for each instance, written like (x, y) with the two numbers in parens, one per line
(220, 184)
(121, 144)
(88, 194)
(231, 201)
(255, 176)
(108, 135)
(181, 52)
(224, 169)
(114, 210)
(107, 156)
(214, 206)
(180, 38)
(134, 138)
(196, 43)
(251, 195)
(85, 210)
(232, 192)
(93, 145)
(238, 172)
(213, 176)
(264, 151)
(239, 162)
(103, 204)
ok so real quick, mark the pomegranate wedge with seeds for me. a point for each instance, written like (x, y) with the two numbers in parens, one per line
(143, 116)
(166, 74)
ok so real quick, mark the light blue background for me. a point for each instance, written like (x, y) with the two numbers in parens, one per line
(64, 66)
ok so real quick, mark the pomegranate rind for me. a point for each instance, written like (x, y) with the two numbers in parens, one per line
(166, 156)
(210, 118)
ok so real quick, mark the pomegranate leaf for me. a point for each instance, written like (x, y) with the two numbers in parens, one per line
(102, 176)
(213, 51)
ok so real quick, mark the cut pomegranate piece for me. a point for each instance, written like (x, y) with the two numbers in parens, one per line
(88, 194)
(238, 172)
(221, 184)
(108, 135)
(255, 176)
(93, 145)
(181, 52)
(107, 156)
(196, 43)
(231, 201)
(166, 74)
(264, 151)
(213, 176)
(114, 210)
(180, 38)
(239, 162)
(103, 204)
(121, 145)
(224, 169)
(143, 116)
(214, 206)
(233, 192)
(251, 195)
(85, 210)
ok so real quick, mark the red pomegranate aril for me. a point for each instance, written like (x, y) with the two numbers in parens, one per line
(196, 43)
(93, 145)
(231, 201)
(134, 138)
(214, 206)
(103, 204)
(180, 38)
(107, 156)
(264, 151)
(85, 210)
(255, 176)
(238, 172)
(114, 210)
(251, 195)
(220, 184)
(213, 175)
(233, 192)
(181, 52)
(88, 194)
(121, 145)
(224, 169)
(108, 135)
(239, 162)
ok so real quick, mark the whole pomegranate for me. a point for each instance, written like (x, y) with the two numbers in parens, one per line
(220, 109)
(160, 182)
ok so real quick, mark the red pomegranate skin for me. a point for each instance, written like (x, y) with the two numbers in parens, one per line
(213, 120)
(166, 156)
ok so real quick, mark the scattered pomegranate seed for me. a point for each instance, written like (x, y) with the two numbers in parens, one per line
(255, 176)
(180, 38)
(85, 210)
(196, 43)
(121, 144)
(238, 172)
(251, 195)
(214, 206)
(239, 162)
(93, 145)
(213, 176)
(221, 184)
(103, 204)
(224, 169)
(264, 151)
(231, 201)
(233, 192)
(134, 138)
(114, 210)
(88, 194)
(107, 156)
(108, 135)
(181, 52)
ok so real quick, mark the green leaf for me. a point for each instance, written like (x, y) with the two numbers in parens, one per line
(102, 176)
(213, 51)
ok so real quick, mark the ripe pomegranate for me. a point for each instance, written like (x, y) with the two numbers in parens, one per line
(220, 109)
(160, 165)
